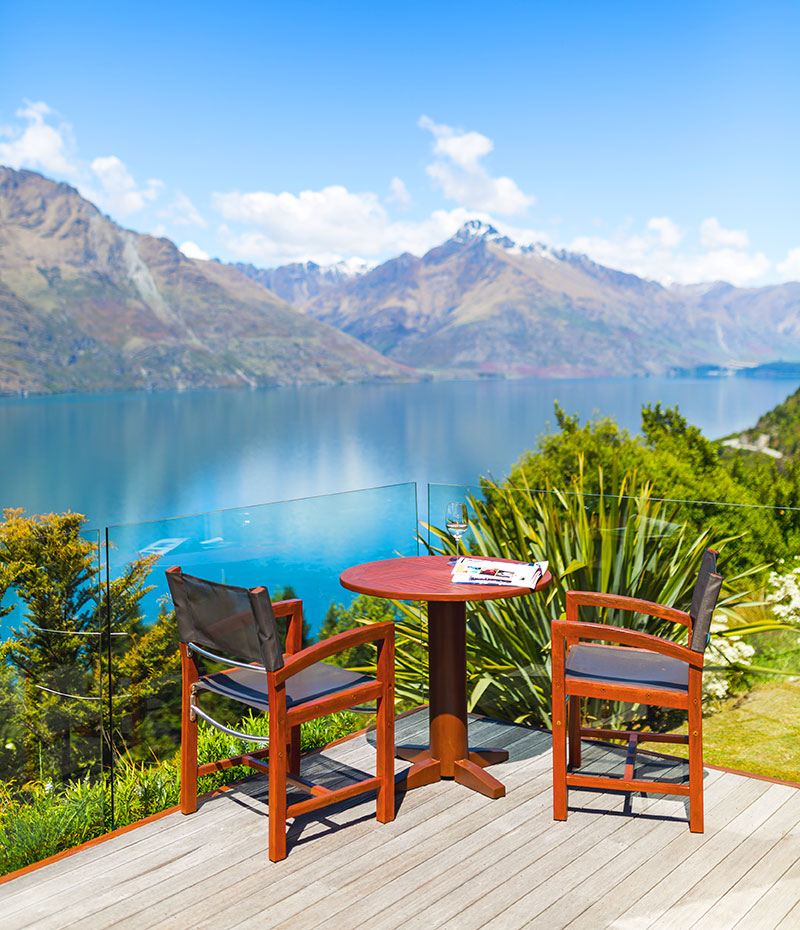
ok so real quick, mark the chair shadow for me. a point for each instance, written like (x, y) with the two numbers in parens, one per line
(600, 758)
(521, 742)
(324, 771)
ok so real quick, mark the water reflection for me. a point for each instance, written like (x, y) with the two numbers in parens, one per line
(126, 458)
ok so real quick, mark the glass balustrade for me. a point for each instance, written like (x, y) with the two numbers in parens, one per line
(647, 548)
(89, 703)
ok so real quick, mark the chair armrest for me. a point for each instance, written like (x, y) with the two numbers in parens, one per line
(577, 599)
(372, 632)
(572, 629)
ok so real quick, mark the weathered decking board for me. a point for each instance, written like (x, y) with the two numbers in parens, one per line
(451, 858)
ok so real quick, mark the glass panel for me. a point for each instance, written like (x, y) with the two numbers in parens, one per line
(301, 545)
(645, 548)
(52, 789)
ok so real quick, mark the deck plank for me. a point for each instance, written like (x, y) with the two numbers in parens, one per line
(701, 899)
(466, 873)
(664, 860)
(205, 902)
(752, 886)
(128, 857)
(776, 904)
(450, 858)
(668, 893)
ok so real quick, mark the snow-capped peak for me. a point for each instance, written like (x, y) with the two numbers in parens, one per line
(337, 271)
(477, 229)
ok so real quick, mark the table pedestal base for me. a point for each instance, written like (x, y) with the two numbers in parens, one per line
(425, 770)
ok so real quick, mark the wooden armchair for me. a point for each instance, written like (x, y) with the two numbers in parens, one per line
(638, 668)
(293, 686)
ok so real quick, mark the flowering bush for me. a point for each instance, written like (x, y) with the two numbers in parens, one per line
(783, 594)
(724, 655)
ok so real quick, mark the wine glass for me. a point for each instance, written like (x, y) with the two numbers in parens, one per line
(456, 520)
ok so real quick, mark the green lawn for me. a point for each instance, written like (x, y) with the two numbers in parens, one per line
(758, 732)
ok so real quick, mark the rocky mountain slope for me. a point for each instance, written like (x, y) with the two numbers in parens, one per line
(88, 306)
(301, 281)
(481, 305)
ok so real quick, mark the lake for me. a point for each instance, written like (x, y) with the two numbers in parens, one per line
(133, 457)
(139, 457)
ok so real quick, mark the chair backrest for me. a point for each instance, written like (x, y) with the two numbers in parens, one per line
(704, 600)
(238, 622)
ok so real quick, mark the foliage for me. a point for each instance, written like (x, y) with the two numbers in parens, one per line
(615, 543)
(287, 593)
(675, 462)
(782, 425)
(40, 819)
(339, 618)
(55, 655)
(606, 542)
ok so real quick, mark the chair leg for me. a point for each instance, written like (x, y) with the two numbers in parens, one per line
(559, 749)
(277, 771)
(384, 765)
(696, 824)
(188, 736)
(189, 767)
(574, 731)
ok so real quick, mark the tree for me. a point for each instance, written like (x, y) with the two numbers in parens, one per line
(364, 609)
(55, 655)
(676, 462)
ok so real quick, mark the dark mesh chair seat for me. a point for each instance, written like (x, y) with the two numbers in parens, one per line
(626, 666)
(596, 660)
(249, 686)
(237, 627)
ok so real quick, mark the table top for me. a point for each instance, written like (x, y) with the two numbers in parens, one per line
(424, 578)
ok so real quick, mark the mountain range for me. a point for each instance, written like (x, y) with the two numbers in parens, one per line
(86, 305)
(480, 304)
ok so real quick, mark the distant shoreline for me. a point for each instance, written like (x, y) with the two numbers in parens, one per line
(771, 371)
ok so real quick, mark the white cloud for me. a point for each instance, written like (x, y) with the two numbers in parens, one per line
(398, 193)
(279, 239)
(713, 236)
(790, 266)
(193, 250)
(45, 143)
(329, 221)
(292, 233)
(119, 193)
(459, 173)
(182, 212)
(653, 254)
(39, 144)
(669, 233)
(732, 265)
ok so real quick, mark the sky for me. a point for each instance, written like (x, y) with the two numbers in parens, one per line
(658, 138)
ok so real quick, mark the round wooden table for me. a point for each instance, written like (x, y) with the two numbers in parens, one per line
(427, 578)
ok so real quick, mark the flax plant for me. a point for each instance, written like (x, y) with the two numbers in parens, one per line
(616, 542)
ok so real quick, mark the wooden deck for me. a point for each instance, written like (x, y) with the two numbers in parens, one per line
(452, 858)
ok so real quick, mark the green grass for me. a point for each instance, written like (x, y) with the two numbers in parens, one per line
(39, 819)
(758, 732)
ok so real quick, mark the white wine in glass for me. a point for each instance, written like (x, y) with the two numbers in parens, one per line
(456, 520)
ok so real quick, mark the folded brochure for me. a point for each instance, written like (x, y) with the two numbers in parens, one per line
(491, 571)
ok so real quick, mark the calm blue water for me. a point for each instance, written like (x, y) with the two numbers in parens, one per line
(139, 457)
(128, 458)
